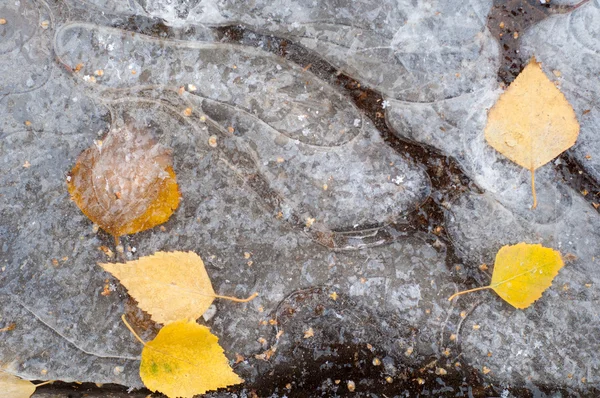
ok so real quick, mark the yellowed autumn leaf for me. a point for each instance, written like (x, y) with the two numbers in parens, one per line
(522, 272)
(183, 360)
(168, 285)
(532, 122)
(125, 183)
(14, 387)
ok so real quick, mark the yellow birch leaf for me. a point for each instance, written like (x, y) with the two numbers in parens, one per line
(532, 122)
(14, 387)
(125, 183)
(168, 285)
(522, 272)
(183, 360)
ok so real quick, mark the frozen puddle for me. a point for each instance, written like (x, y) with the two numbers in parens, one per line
(293, 189)
(315, 150)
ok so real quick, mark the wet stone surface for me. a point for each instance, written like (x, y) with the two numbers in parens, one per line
(331, 157)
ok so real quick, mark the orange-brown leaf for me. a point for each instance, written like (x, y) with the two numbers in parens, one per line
(126, 183)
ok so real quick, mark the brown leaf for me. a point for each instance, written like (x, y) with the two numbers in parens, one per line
(9, 327)
(126, 183)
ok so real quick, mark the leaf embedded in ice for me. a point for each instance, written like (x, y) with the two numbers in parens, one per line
(522, 272)
(185, 359)
(125, 183)
(280, 126)
(168, 286)
(532, 122)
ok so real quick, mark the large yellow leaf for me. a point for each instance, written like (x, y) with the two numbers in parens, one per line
(532, 122)
(169, 285)
(185, 359)
(126, 183)
(522, 272)
(14, 387)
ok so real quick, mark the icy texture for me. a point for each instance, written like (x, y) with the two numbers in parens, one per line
(273, 164)
(574, 54)
(221, 218)
(24, 46)
(553, 341)
(416, 51)
(130, 7)
(323, 159)
(55, 356)
(335, 168)
(47, 261)
(544, 343)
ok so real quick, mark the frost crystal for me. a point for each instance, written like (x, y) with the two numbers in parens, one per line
(398, 180)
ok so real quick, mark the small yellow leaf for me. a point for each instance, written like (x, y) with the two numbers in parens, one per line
(168, 286)
(522, 272)
(14, 387)
(532, 122)
(185, 359)
(125, 183)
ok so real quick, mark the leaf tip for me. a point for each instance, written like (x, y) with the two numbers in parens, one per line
(533, 60)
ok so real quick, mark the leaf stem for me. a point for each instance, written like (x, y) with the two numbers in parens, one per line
(468, 291)
(533, 189)
(131, 330)
(237, 300)
(43, 384)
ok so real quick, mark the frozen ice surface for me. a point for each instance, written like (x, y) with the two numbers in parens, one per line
(24, 47)
(261, 109)
(416, 51)
(130, 7)
(273, 163)
(572, 56)
(271, 117)
(36, 349)
(221, 218)
(544, 343)
(479, 224)
(555, 340)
